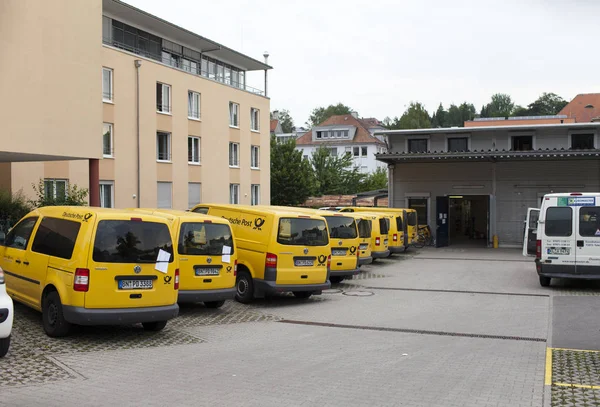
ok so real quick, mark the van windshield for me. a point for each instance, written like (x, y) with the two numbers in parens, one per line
(203, 239)
(341, 227)
(364, 228)
(411, 218)
(302, 232)
(129, 241)
(384, 226)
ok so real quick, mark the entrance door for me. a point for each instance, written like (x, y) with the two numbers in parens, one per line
(530, 234)
(441, 236)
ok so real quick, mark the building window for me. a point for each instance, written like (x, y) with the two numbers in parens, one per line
(234, 114)
(254, 119)
(522, 143)
(55, 189)
(194, 194)
(234, 154)
(193, 105)
(332, 151)
(107, 140)
(193, 150)
(255, 158)
(305, 157)
(419, 205)
(458, 144)
(364, 151)
(319, 134)
(417, 145)
(163, 98)
(255, 194)
(356, 151)
(163, 146)
(234, 193)
(107, 195)
(582, 141)
(164, 195)
(107, 85)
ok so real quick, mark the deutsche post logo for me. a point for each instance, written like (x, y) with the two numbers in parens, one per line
(352, 249)
(168, 279)
(258, 222)
(229, 269)
(322, 258)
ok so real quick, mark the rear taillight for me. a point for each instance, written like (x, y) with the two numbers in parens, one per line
(329, 261)
(82, 280)
(176, 285)
(395, 237)
(271, 260)
(1, 276)
(377, 241)
(538, 249)
(235, 268)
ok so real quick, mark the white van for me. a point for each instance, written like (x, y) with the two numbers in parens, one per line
(568, 236)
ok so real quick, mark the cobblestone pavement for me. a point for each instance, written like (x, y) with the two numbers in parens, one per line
(574, 377)
(448, 328)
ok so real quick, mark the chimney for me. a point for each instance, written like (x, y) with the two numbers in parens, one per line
(354, 114)
(276, 114)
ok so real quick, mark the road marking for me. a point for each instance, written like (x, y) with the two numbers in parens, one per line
(548, 379)
(576, 350)
(580, 386)
(434, 290)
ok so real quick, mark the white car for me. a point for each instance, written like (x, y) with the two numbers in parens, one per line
(6, 317)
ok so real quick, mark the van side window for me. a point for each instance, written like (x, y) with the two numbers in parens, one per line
(559, 221)
(203, 211)
(589, 221)
(19, 236)
(56, 237)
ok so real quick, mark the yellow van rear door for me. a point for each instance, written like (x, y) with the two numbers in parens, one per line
(125, 270)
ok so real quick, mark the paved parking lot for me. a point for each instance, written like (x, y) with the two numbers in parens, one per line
(445, 327)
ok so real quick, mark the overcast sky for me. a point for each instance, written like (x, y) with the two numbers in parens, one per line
(379, 55)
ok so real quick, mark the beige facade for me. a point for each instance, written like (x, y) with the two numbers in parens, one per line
(73, 111)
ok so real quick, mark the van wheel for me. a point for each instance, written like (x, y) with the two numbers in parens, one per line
(53, 319)
(4, 345)
(545, 281)
(154, 326)
(213, 304)
(302, 294)
(336, 279)
(244, 287)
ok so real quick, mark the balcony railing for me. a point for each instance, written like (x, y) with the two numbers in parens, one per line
(183, 65)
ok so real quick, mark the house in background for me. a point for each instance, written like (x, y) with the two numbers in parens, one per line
(584, 108)
(347, 134)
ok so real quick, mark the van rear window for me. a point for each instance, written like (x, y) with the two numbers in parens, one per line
(384, 226)
(302, 232)
(559, 221)
(364, 228)
(204, 239)
(201, 210)
(56, 237)
(589, 221)
(411, 218)
(128, 241)
(341, 227)
(399, 225)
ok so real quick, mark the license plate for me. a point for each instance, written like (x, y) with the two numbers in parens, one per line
(135, 284)
(213, 271)
(338, 252)
(565, 251)
(363, 246)
(304, 263)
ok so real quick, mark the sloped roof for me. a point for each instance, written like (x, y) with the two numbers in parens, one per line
(362, 135)
(577, 109)
(274, 123)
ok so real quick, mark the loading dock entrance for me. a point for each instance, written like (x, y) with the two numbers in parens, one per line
(462, 220)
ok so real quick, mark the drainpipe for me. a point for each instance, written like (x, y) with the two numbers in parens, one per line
(390, 185)
(138, 64)
(266, 55)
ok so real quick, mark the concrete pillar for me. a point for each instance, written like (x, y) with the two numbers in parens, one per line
(94, 182)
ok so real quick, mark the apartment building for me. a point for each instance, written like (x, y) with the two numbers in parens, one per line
(176, 122)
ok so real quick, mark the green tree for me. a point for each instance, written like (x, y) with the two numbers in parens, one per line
(378, 179)
(520, 111)
(454, 117)
(546, 105)
(286, 121)
(320, 114)
(467, 111)
(291, 176)
(73, 196)
(334, 174)
(500, 106)
(439, 118)
(12, 207)
(415, 117)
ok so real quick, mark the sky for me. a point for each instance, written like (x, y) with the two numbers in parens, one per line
(377, 56)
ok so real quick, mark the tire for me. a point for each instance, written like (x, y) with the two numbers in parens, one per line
(545, 281)
(154, 326)
(53, 318)
(335, 279)
(302, 294)
(213, 304)
(419, 243)
(4, 345)
(244, 287)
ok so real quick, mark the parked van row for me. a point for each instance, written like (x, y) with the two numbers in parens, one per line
(93, 266)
